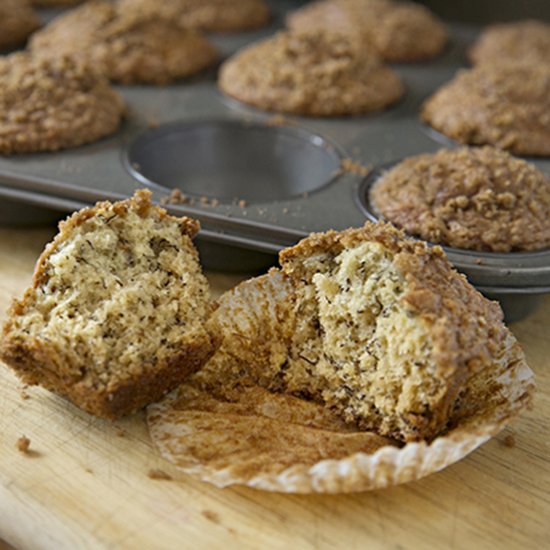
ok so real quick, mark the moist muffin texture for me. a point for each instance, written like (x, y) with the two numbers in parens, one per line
(398, 31)
(52, 104)
(116, 314)
(17, 21)
(315, 74)
(523, 41)
(506, 105)
(376, 326)
(129, 45)
(474, 198)
(209, 15)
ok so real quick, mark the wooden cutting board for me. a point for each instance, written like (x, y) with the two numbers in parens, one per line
(85, 483)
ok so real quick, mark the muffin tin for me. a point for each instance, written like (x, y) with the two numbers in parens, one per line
(260, 181)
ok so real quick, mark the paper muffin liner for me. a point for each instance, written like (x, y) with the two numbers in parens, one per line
(276, 442)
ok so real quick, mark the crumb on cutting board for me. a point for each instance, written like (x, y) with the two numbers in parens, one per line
(509, 441)
(23, 444)
(157, 474)
(211, 516)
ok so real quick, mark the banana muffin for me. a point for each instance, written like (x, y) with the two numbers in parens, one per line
(473, 198)
(116, 314)
(52, 104)
(17, 21)
(398, 31)
(523, 41)
(378, 327)
(505, 105)
(209, 15)
(129, 45)
(313, 74)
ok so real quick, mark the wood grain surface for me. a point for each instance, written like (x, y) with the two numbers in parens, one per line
(85, 483)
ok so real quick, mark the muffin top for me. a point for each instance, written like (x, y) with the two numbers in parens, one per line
(473, 198)
(209, 15)
(17, 21)
(398, 31)
(129, 45)
(51, 104)
(527, 41)
(312, 73)
(506, 105)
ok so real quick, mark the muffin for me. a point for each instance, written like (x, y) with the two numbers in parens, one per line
(378, 327)
(506, 105)
(209, 15)
(52, 104)
(473, 198)
(312, 74)
(116, 314)
(522, 41)
(365, 361)
(17, 21)
(398, 31)
(129, 46)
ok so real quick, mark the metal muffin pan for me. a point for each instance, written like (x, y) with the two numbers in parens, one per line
(257, 181)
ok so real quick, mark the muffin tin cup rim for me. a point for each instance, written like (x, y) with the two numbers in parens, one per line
(296, 131)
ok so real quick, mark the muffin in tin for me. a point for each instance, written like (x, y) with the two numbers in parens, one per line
(506, 105)
(209, 15)
(398, 31)
(51, 104)
(312, 74)
(17, 21)
(480, 199)
(129, 45)
(524, 41)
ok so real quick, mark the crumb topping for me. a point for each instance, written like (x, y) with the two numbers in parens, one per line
(474, 198)
(51, 104)
(505, 105)
(398, 31)
(208, 15)
(522, 41)
(129, 45)
(310, 73)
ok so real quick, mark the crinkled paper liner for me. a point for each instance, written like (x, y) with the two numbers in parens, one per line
(247, 309)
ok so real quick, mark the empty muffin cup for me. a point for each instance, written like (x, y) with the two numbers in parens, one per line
(231, 160)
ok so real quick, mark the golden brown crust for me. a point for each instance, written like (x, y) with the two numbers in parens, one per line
(474, 198)
(521, 41)
(129, 45)
(398, 31)
(208, 15)
(315, 74)
(111, 394)
(17, 21)
(504, 105)
(466, 329)
(52, 104)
